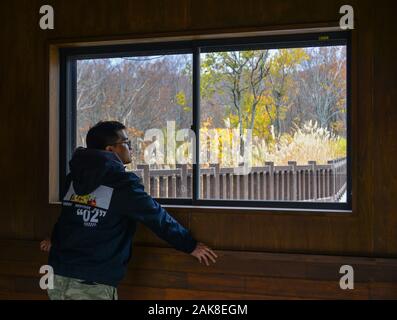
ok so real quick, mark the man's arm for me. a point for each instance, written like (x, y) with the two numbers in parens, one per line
(143, 208)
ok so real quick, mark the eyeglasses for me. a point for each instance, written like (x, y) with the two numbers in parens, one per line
(127, 142)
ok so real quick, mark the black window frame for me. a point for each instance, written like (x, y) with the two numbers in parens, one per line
(68, 87)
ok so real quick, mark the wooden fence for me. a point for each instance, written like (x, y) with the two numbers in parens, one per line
(312, 182)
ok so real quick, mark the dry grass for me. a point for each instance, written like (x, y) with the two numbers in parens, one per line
(309, 143)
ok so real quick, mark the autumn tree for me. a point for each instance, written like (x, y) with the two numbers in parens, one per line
(283, 66)
(239, 79)
(322, 87)
(140, 92)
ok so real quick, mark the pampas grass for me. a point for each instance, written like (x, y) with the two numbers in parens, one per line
(309, 143)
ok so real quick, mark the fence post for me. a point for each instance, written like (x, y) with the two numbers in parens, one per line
(293, 185)
(189, 185)
(163, 185)
(236, 187)
(222, 179)
(344, 173)
(261, 185)
(282, 185)
(171, 187)
(327, 190)
(156, 185)
(152, 191)
(271, 179)
(217, 180)
(257, 185)
(243, 186)
(208, 185)
(183, 186)
(229, 186)
(250, 184)
(332, 180)
(313, 182)
(146, 176)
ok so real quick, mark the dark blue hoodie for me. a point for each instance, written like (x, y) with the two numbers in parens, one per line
(101, 205)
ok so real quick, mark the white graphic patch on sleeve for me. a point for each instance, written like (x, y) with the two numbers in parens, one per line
(100, 198)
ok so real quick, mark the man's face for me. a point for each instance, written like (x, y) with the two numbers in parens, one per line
(121, 148)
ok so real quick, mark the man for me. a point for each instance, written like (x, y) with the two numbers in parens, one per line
(91, 242)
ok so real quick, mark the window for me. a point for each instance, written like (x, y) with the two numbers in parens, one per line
(247, 122)
(152, 96)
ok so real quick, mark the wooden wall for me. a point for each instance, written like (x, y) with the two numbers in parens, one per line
(296, 254)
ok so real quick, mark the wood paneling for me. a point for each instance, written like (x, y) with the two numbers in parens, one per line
(369, 231)
(162, 273)
(27, 214)
(384, 130)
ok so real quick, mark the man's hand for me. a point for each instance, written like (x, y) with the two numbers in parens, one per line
(45, 245)
(202, 252)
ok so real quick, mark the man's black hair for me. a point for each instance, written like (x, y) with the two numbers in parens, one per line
(103, 134)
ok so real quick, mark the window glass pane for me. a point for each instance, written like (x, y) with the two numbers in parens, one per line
(152, 96)
(273, 125)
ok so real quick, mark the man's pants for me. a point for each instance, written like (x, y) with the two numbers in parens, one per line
(75, 289)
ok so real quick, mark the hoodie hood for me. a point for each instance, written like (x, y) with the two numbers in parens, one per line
(90, 168)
